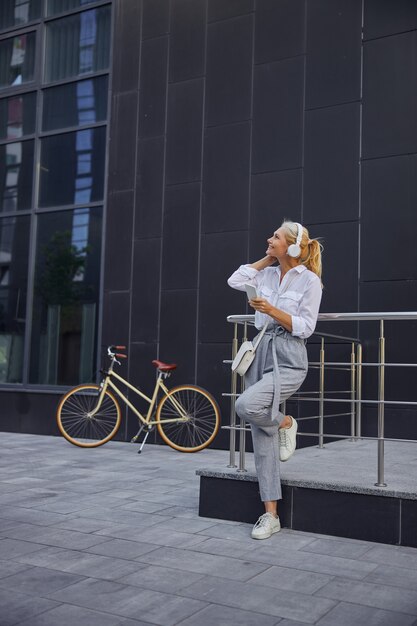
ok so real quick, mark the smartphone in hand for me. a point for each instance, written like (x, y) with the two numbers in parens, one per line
(251, 291)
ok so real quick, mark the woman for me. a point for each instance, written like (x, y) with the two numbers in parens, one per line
(289, 298)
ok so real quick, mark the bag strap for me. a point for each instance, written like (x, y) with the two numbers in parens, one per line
(261, 334)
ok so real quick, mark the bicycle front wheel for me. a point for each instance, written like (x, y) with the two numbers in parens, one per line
(198, 418)
(75, 419)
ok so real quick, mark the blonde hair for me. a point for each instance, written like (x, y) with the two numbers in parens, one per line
(311, 249)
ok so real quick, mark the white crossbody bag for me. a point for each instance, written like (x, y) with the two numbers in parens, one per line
(246, 354)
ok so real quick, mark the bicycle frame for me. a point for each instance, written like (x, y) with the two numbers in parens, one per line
(159, 384)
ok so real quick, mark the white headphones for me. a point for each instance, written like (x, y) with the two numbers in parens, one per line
(294, 250)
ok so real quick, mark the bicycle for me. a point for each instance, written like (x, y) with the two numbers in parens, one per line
(187, 417)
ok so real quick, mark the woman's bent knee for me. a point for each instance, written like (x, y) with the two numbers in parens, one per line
(247, 408)
(241, 406)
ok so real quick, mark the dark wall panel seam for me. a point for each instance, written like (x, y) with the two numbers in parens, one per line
(200, 216)
(132, 255)
(402, 32)
(163, 192)
(295, 56)
(388, 156)
(336, 104)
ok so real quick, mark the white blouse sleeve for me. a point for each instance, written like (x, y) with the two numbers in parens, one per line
(244, 275)
(304, 323)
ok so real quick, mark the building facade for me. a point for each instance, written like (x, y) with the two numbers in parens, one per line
(149, 147)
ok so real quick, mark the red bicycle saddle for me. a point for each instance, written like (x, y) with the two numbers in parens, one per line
(164, 367)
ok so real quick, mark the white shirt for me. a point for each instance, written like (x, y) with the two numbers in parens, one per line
(299, 294)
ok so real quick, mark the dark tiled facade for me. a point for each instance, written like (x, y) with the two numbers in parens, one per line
(227, 117)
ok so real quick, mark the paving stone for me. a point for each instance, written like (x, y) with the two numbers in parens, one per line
(29, 516)
(7, 487)
(172, 538)
(193, 525)
(227, 531)
(258, 598)
(91, 565)
(83, 524)
(17, 607)
(38, 581)
(11, 548)
(291, 579)
(125, 501)
(64, 538)
(234, 569)
(372, 594)
(133, 518)
(396, 576)
(320, 563)
(144, 507)
(225, 547)
(392, 555)
(160, 579)
(346, 614)
(122, 549)
(216, 615)
(337, 548)
(69, 615)
(149, 606)
(8, 568)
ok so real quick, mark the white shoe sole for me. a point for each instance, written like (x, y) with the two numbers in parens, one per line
(276, 530)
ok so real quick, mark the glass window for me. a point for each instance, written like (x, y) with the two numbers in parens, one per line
(17, 60)
(16, 174)
(18, 12)
(72, 167)
(78, 44)
(75, 104)
(66, 296)
(59, 6)
(14, 247)
(17, 116)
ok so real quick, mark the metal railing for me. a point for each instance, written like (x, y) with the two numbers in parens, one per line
(355, 392)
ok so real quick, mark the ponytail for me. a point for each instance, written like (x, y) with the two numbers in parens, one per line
(311, 257)
(311, 249)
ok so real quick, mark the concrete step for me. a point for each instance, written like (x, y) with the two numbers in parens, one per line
(329, 491)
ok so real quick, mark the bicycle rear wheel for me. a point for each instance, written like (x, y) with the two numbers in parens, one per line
(203, 418)
(77, 424)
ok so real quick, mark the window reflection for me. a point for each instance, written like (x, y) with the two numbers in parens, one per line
(78, 44)
(17, 116)
(17, 60)
(14, 246)
(16, 171)
(66, 297)
(18, 12)
(72, 167)
(59, 6)
(75, 104)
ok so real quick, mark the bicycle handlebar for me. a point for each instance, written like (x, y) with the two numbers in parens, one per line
(111, 352)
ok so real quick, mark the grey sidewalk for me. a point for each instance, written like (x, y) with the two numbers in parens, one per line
(107, 537)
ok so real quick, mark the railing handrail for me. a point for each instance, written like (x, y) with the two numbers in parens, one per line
(341, 317)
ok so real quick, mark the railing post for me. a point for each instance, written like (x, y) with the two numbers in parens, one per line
(232, 460)
(321, 402)
(242, 432)
(352, 392)
(381, 406)
(359, 390)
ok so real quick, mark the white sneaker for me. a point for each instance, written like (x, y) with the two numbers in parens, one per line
(287, 440)
(266, 526)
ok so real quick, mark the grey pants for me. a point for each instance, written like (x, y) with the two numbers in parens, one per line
(271, 380)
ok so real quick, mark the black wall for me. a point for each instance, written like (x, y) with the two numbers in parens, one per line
(228, 116)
